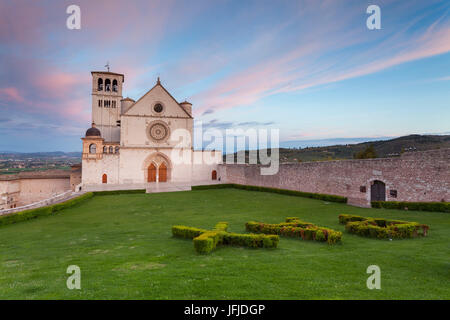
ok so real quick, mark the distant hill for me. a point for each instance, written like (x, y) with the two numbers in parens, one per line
(38, 155)
(383, 148)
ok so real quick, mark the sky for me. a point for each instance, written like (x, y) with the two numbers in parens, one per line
(310, 68)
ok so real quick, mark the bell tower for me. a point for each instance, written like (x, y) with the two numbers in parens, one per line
(106, 97)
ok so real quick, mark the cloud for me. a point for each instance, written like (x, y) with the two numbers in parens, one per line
(10, 94)
(329, 54)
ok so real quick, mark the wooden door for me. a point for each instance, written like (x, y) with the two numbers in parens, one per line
(162, 172)
(151, 174)
(378, 191)
(104, 178)
(214, 175)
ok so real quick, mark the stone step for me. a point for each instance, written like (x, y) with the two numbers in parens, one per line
(157, 188)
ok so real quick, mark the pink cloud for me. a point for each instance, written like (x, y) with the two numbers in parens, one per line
(11, 94)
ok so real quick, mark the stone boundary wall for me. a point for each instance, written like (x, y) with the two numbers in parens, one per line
(415, 176)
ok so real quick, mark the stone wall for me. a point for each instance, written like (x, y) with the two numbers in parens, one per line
(415, 176)
(28, 187)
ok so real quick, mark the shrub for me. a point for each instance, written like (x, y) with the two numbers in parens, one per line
(344, 218)
(319, 196)
(187, 232)
(419, 206)
(115, 192)
(206, 241)
(383, 228)
(221, 226)
(43, 211)
(297, 229)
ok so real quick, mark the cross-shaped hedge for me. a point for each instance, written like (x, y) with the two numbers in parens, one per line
(206, 241)
(294, 227)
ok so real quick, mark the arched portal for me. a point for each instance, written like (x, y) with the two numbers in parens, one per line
(157, 159)
(378, 191)
(151, 175)
(104, 178)
(162, 173)
(214, 175)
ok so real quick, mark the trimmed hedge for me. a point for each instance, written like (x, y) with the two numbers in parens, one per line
(206, 241)
(115, 192)
(419, 206)
(318, 196)
(293, 227)
(43, 211)
(382, 228)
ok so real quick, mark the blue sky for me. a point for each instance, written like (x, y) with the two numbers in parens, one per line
(311, 68)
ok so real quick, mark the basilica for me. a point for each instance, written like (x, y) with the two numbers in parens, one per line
(135, 144)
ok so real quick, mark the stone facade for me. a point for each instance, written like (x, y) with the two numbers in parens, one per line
(415, 176)
(140, 142)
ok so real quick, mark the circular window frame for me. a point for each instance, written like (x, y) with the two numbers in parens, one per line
(149, 128)
(163, 108)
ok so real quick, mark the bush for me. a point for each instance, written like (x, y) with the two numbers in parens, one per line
(115, 192)
(251, 240)
(319, 196)
(206, 241)
(187, 232)
(383, 228)
(43, 211)
(221, 226)
(296, 229)
(344, 218)
(418, 206)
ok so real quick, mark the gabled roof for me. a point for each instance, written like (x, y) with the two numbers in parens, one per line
(158, 83)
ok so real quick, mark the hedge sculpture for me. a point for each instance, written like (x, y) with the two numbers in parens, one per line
(382, 228)
(206, 241)
(294, 227)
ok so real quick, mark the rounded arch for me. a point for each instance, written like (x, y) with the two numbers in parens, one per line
(111, 149)
(92, 148)
(377, 191)
(105, 149)
(100, 84)
(214, 175)
(104, 178)
(157, 158)
(107, 85)
(114, 86)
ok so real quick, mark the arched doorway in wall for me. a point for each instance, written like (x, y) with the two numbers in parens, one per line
(162, 173)
(378, 191)
(151, 174)
(214, 175)
(104, 178)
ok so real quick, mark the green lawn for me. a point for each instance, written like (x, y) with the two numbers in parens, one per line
(125, 250)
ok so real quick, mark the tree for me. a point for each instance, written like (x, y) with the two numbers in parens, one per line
(368, 153)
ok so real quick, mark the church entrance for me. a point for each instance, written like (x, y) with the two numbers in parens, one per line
(162, 173)
(151, 176)
(378, 191)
